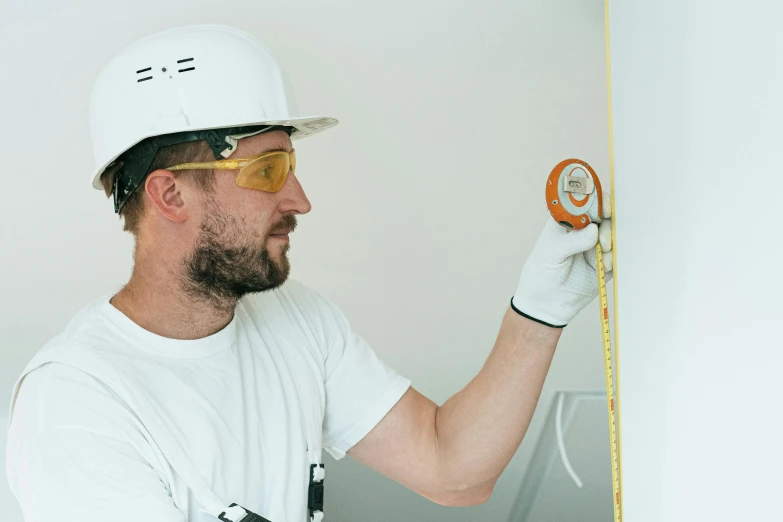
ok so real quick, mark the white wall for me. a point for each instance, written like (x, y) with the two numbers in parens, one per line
(8, 505)
(698, 107)
(427, 198)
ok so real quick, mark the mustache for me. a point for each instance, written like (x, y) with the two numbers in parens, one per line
(287, 223)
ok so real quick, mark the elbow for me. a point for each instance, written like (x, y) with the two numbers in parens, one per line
(473, 496)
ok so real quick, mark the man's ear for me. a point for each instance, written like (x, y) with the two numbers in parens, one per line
(165, 192)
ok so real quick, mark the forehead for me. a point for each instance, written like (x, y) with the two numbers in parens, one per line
(260, 143)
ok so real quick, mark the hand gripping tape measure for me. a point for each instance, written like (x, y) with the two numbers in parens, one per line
(575, 199)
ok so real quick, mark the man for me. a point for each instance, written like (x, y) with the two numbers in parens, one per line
(211, 380)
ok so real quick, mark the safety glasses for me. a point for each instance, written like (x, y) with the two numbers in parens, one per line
(267, 171)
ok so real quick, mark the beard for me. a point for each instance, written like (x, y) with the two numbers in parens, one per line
(226, 263)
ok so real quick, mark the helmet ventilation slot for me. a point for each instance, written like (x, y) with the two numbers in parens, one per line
(185, 60)
(143, 71)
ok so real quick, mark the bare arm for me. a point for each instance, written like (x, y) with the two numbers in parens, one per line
(455, 453)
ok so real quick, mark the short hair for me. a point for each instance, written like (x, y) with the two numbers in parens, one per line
(190, 152)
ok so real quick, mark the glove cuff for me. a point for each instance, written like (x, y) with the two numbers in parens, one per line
(523, 314)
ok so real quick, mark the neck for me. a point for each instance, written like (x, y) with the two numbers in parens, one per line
(156, 299)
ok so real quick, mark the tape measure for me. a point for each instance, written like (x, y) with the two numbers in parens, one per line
(573, 194)
(575, 199)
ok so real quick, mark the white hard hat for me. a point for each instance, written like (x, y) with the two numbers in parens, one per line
(190, 79)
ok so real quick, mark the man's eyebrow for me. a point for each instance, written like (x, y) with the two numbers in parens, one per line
(278, 148)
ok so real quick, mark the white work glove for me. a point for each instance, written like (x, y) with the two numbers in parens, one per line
(559, 278)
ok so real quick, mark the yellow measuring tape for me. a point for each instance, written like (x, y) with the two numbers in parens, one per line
(575, 199)
(615, 430)
(614, 440)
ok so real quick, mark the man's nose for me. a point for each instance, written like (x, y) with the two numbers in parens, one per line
(293, 197)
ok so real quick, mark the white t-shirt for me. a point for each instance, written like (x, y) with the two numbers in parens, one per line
(250, 406)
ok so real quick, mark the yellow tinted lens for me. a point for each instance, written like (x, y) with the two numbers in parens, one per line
(267, 173)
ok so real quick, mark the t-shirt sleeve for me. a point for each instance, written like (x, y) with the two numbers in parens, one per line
(72, 454)
(360, 388)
